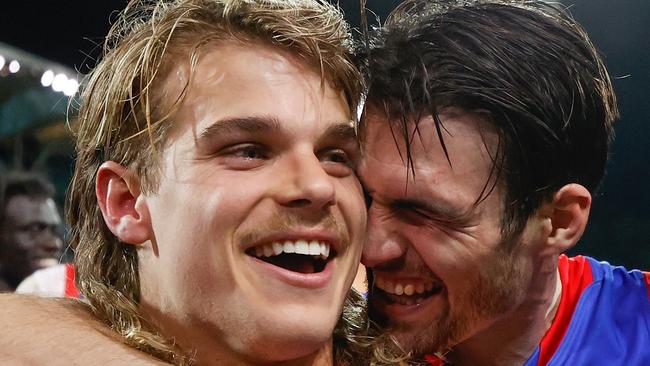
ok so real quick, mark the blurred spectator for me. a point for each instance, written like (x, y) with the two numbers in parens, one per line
(30, 227)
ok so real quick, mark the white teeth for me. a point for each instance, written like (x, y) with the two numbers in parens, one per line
(289, 247)
(399, 289)
(314, 248)
(268, 250)
(277, 248)
(407, 289)
(325, 250)
(302, 247)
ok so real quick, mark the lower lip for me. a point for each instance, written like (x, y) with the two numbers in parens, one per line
(399, 312)
(297, 279)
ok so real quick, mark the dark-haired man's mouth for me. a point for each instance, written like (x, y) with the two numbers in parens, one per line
(406, 292)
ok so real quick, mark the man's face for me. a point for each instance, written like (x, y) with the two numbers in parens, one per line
(439, 270)
(258, 221)
(30, 236)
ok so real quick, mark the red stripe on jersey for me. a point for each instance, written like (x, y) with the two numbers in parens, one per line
(434, 360)
(647, 282)
(575, 275)
(70, 288)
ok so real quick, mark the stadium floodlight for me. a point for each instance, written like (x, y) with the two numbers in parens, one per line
(70, 87)
(47, 78)
(14, 66)
(58, 84)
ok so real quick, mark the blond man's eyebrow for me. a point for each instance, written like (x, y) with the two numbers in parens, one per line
(341, 132)
(249, 124)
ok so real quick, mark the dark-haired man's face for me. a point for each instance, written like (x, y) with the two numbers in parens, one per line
(29, 236)
(439, 273)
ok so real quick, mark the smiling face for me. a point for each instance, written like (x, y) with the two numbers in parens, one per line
(258, 221)
(439, 269)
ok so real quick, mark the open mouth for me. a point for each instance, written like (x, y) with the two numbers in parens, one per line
(407, 293)
(300, 256)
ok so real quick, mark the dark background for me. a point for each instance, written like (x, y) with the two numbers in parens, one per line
(71, 32)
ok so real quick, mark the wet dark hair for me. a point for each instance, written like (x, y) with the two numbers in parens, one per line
(527, 67)
(23, 183)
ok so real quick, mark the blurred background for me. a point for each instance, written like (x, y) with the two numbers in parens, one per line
(47, 46)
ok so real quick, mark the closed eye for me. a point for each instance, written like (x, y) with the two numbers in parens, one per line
(419, 214)
(414, 215)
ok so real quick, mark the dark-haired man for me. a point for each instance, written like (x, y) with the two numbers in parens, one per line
(486, 134)
(30, 235)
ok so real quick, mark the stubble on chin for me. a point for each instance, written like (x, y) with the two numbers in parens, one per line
(421, 338)
(493, 292)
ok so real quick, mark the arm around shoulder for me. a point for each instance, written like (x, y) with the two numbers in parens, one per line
(46, 331)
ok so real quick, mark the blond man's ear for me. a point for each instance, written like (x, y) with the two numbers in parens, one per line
(124, 209)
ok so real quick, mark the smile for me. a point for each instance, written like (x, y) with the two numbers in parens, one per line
(406, 292)
(302, 256)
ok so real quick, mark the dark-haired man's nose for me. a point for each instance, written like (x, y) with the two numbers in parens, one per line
(383, 244)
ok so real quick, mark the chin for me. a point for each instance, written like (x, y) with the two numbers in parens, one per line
(293, 339)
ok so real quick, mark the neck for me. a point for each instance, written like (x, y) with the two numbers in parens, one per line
(321, 357)
(208, 349)
(513, 338)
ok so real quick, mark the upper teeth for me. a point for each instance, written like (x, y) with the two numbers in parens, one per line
(403, 288)
(305, 247)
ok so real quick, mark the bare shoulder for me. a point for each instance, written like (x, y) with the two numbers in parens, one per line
(46, 331)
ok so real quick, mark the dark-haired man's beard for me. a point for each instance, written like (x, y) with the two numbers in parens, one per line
(494, 291)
